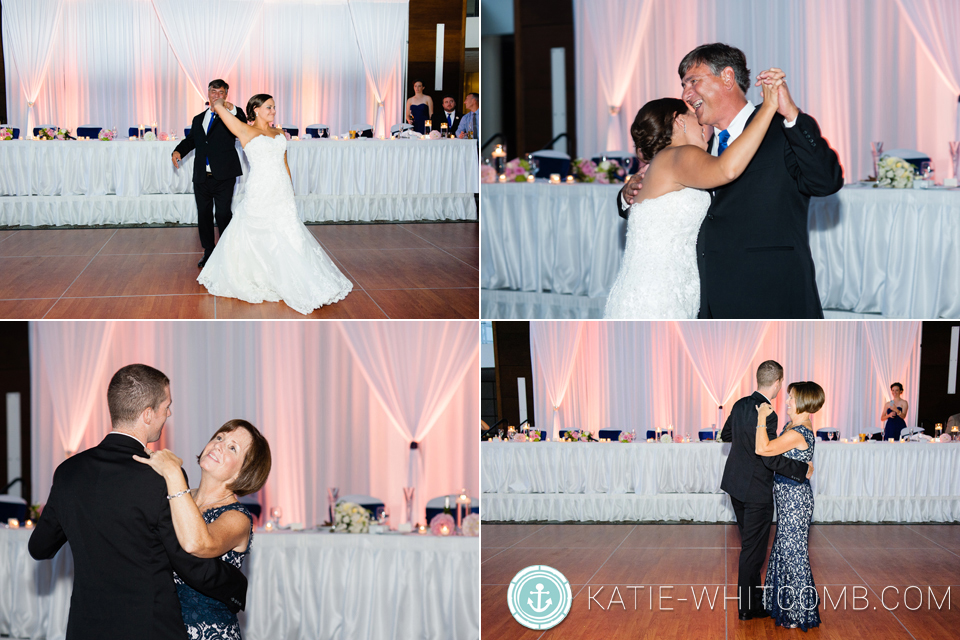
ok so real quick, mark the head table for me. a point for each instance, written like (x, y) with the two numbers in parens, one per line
(555, 250)
(303, 586)
(651, 481)
(91, 182)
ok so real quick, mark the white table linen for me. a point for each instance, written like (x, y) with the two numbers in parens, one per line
(880, 251)
(93, 182)
(863, 482)
(302, 586)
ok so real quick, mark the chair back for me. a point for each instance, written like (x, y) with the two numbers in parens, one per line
(292, 131)
(913, 157)
(363, 130)
(318, 130)
(367, 502)
(88, 130)
(186, 132)
(133, 131)
(705, 434)
(12, 507)
(613, 434)
(397, 128)
(628, 161)
(36, 130)
(435, 506)
(550, 161)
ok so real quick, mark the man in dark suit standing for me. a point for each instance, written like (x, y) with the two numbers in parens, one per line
(216, 166)
(748, 479)
(449, 115)
(756, 228)
(115, 513)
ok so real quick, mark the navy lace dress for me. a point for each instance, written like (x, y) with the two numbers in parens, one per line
(790, 594)
(206, 618)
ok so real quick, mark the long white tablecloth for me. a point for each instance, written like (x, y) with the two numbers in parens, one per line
(125, 181)
(303, 586)
(868, 482)
(885, 251)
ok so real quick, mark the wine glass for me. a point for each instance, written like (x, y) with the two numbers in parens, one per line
(275, 513)
(927, 170)
(379, 514)
(534, 164)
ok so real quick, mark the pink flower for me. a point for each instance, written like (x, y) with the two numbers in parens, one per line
(488, 175)
(442, 519)
(163, 136)
(602, 178)
(60, 136)
(434, 135)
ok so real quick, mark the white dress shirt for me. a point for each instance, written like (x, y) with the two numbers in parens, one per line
(207, 117)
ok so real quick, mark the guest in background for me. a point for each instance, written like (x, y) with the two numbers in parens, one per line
(894, 413)
(471, 120)
(953, 421)
(449, 114)
(419, 108)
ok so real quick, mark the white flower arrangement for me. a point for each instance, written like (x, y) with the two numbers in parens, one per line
(471, 525)
(894, 173)
(150, 136)
(666, 438)
(349, 517)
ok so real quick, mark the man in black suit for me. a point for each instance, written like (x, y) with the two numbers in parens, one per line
(216, 166)
(115, 513)
(448, 115)
(748, 479)
(756, 228)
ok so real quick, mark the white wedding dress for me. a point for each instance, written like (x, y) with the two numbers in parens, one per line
(266, 252)
(658, 277)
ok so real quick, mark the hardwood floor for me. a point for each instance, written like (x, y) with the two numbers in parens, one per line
(685, 559)
(410, 271)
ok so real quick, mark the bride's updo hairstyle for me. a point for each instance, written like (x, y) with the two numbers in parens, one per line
(254, 103)
(652, 129)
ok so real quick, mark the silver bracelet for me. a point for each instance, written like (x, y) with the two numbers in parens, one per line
(177, 495)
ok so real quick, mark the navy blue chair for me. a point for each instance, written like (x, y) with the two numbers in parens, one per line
(318, 130)
(12, 507)
(628, 161)
(706, 434)
(36, 130)
(132, 131)
(291, 131)
(363, 130)
(613, 434)
(828, 434)
(16, 130)
(186, 132)
(397, 128)
(367, 502)
(550, 161)
(88, 130)
(435, 506)
(913, 157)
(254, 508)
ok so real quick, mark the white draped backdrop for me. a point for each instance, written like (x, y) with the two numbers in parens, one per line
(867, 70)
(640, 375)
(126, 62)
(338, 402)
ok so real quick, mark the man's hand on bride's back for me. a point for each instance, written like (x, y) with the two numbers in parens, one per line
(632, 188)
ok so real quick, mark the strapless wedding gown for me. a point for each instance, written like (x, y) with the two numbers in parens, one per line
(658, 277)
(266, 253)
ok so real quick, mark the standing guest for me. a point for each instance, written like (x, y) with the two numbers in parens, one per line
(216, 166)
(449, 114)
(471, 120)
(894, 413)
(419, 108)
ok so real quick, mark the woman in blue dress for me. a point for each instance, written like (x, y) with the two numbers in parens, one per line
(209, 520)
(419, 108)
(790, 594)
(894, 413)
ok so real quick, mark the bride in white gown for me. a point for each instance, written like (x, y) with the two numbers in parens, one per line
(266, 252)
(658, 276)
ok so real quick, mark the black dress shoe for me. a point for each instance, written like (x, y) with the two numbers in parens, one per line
(761, 613)
(203, 260)
(745, 615)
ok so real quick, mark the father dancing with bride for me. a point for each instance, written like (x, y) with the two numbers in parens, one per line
(753, 252)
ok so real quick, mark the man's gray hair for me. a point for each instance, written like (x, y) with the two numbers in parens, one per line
(718, 56)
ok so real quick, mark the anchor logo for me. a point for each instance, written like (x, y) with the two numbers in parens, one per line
(540, 593)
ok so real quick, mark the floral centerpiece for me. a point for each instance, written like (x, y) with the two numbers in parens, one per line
(107, 134)
(894, 173)
(578, 436)
(471, 525)
(434, 135)
(517, 170)
(440, 521)
(53, 133)
(666, 437)
(586, 170)
(150, 136)
(534, 435)
(349, 517)
(488, 175)
(164, 137)
(6, 133)
(628, 436)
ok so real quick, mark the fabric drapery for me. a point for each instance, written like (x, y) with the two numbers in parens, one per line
(891, 344)
(375, 24)
(554, 346)
(614, 29)
(30, 29)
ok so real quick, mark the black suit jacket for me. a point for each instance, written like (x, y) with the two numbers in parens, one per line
(753, 251)
(747, 476)
(219, 147)
(441, 116)
(114, 512)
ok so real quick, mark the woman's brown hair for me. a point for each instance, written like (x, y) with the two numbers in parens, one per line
(256, 462)
(652, 129)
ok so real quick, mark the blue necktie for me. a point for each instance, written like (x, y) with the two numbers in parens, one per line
(724, 138)
(210, 126)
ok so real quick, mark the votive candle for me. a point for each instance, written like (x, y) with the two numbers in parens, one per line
(13, 523)
(502, 178)
(554, 178)
(569, 179)
(530, 179)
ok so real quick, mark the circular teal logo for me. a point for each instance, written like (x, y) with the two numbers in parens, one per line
(539, 597)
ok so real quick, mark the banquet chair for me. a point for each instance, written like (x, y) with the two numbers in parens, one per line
(435, 506)
(318, 130)
(397, 128)
(88, 130)
(706, 434)
(367, 502)
(253, 507)
(12, 507)
(628, 161)
(132, 131)
(828, 433)
(550, 161)
(913, 157)
(186, 132)
(363, 130)
(613, 434)
(36, 130)
(909, 431)
(292, 131)
(16, 130)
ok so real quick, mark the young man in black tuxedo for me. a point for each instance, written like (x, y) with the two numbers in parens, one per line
(748, 479)
(754, 237)
(216, 166)
(448, 115)
(115, 514)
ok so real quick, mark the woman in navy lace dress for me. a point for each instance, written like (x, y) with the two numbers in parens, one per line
(209, 520)
(790, 594)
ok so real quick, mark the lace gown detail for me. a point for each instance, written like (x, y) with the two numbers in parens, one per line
(790, 594)
(658, 276)
(206, 618)
(266, 252)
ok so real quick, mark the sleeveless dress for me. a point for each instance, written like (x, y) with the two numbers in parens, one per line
(893, 427)
(420, 114)
(658, 277)
(791, 596)
(266, 252)
(206, 618)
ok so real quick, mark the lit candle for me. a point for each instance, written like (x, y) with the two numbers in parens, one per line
(268, 527)
(530, 179)
(569, 179)
(502, 178)
(422, 529)
(939, 428)
(444, 530)
(889, 439)
(28, 524)
(13, 523)
(499, 152)
(554, 178)
(446, 502)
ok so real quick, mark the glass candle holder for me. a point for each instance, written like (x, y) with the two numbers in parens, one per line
(554, 178)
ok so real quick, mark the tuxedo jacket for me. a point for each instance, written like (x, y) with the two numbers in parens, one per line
(747, 476)
(114, 513)
(753, 250)
(441, 117)
(219, 146)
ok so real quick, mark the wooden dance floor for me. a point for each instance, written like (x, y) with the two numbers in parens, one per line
(868, 557)
(426, 270)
